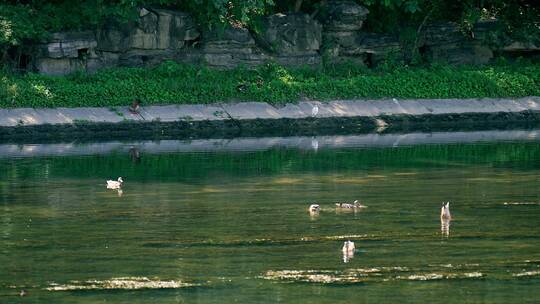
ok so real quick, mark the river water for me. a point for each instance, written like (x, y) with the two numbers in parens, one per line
(219, 225)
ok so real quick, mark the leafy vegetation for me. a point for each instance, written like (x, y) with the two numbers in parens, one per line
(22, 20)
(173, 83)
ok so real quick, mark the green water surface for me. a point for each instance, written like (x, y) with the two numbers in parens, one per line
(233, 227)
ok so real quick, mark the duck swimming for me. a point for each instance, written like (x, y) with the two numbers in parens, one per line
(356, 204)
(348, 248)
(445, 211)
(314, 209)
(348, 251)
(117, 184)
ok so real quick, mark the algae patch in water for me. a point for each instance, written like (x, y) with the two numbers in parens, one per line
(363, 275)
(527, 273)
(126, 283)
(520, 203)
(311, 276)
(440, 276)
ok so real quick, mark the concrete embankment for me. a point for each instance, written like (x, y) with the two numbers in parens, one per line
(255, 118)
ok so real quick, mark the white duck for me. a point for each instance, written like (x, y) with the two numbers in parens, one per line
(348, 248)
(117, 184)
(314, 209)
(445, 211)
(348, 251)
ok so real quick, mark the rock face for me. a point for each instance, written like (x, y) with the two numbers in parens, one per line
(293, 38)
(344, 16)
(66, 53)
(344, 41)
(295, 34)
(162, 29)
(230, 47)
(288, 39)
(375, 47)
(156, 36)
(445, 42)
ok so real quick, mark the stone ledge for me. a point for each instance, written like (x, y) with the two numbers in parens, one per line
(260, 110)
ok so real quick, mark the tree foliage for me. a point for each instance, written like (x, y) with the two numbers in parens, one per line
(31, 20)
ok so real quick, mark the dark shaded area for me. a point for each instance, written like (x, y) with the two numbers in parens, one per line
(86, 132)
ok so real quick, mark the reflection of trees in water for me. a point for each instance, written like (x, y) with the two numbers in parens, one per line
(187, 166)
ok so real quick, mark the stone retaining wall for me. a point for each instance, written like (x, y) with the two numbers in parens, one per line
(293, 39)
(265, 111)
(261, 119)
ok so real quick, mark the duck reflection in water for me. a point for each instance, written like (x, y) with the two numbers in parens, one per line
(135, 155)
(348, 251)
(445, 227)
(446, 217)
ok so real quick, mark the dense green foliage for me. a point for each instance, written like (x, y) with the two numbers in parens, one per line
(22, 20)
(172, 83)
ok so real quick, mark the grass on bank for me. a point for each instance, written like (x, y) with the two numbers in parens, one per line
(173, 83)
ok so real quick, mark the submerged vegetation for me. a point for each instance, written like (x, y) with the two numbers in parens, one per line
(172, 83)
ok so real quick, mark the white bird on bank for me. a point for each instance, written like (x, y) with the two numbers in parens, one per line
(445, 211)
(315, 110)
(314, 144)
(117, 184)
